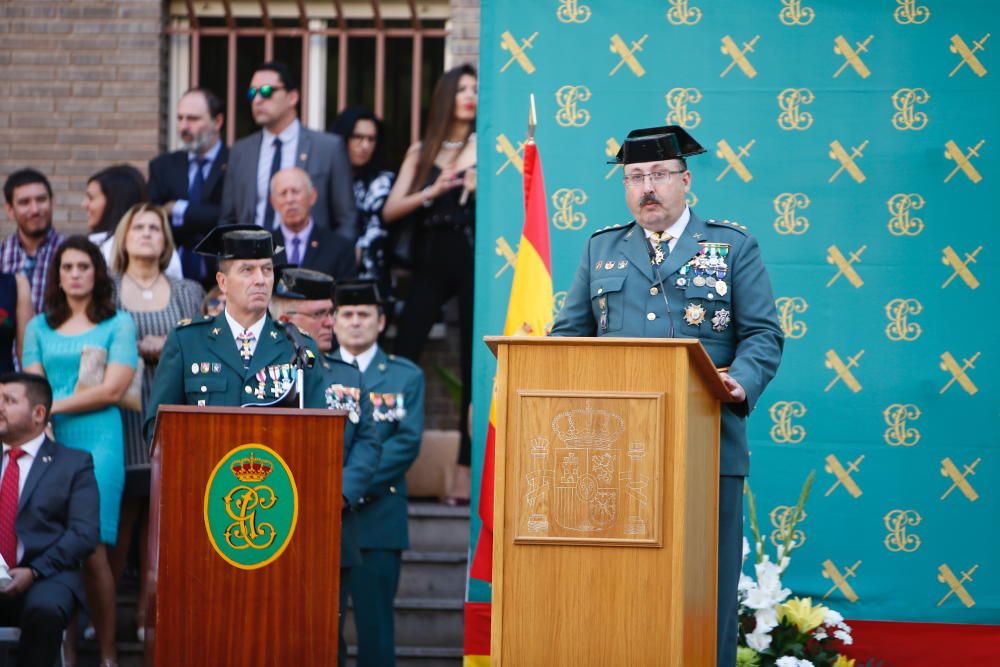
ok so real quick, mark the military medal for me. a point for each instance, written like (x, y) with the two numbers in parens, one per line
(205, 367)
(245, 352)
(608, 266)
(699, 281)
(602, 303)
(681, 282)
(694, 314)
(194, 368)
(721, 319)
(597, 267)
(710, 281)
(721, 287)
(622, 263)
(216, 367)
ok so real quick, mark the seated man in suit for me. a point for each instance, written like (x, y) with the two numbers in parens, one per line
(49, 520)
(307, 244)
(188, 182)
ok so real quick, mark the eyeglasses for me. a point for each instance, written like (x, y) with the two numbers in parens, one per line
(658, 177)
(266, 91)
(317, 315)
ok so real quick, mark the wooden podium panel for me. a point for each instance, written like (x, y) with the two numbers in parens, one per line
(207, 609)
(606, 502)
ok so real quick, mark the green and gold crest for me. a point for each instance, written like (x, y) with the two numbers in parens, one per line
(251, 506)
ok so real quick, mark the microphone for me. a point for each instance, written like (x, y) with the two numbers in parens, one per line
(304, 357)
(663, 292)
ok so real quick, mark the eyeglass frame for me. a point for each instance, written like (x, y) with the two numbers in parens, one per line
(321, 315)
(266, 91)
(665, 176)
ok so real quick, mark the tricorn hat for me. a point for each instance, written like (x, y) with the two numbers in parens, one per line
(303, 284)
(357, 293)
(652, 144)
(237, 242)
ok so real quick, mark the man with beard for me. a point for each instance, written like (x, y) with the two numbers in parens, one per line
(188, 183)
(28, 250)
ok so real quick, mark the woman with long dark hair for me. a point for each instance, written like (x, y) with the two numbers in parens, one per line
(364, 137)
(78, 336)
(436, 187)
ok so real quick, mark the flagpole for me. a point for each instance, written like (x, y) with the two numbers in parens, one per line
(532, 119)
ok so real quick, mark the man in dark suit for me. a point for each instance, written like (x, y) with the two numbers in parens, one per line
(283, 142)
(49, 520)
(188, 183)
(306, 244)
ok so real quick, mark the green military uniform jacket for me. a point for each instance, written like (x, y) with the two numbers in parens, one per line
(395, 389)
(616, 293)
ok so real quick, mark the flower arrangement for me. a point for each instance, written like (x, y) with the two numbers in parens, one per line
(776, 631)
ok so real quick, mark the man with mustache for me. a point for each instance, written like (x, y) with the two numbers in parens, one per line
(28, 250)
(671, 274)
(188, 182)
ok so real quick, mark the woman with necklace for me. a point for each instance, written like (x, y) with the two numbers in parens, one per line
(436, 187)
(143, 248)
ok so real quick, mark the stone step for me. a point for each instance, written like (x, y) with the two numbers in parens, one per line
(417, 656)
(433, 574)
(426, 622)
(437, 527)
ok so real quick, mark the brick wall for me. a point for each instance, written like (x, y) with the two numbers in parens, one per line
(463, 38)
(81, 88)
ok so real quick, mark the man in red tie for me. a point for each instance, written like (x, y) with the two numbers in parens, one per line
(49, 520)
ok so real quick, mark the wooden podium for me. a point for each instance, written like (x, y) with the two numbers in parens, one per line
(606, 502)
(244, 537)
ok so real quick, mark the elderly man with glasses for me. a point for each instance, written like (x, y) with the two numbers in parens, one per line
(670, 274)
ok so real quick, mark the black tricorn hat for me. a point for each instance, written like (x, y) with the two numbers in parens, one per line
(652, 144)
(303, 284)
(237, 242)
(357, 293)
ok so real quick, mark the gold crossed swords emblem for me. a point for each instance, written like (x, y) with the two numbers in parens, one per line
(843, 475)
(967, 55)
(959, 479)
(839, 579)
(962, 160)
(961, 267)
(956, 585)
(627, 55)
(512, 154)
(843, 370)
(845, 265)
(734, 159)
(739, 56)
(517, 51)
(958, 373)
(509, 255)
(852, 55)
(846, 161)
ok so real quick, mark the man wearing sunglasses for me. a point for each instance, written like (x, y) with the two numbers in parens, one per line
(671, 274)
(283, 142)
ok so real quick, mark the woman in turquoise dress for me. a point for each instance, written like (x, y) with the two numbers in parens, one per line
(78, 322)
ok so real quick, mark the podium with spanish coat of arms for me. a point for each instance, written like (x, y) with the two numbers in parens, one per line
(606, 502)
(244, 539)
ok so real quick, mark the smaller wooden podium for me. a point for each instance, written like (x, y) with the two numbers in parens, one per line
(606, 502)
(244, 537)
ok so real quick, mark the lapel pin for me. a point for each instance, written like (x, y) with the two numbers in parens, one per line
(303, 157)
(315, 243)
(274, 334)
(215, 331)
(46, 459)
(381, 367)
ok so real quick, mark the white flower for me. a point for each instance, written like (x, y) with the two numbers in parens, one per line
(759, 641)
(768, 591)
(790, 661)
(843, 636)
(746, 583)
(832, 617)
(766, 620)
(819, 634)
(746, 548)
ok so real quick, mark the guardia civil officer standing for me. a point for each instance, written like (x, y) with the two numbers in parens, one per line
(670, 274)
(395, 388)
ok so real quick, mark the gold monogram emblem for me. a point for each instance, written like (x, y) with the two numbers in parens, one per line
(963, 160)
(682, 13)
(627, 55)
(897, 522)
(900, 327)
(959, 480)
(960, 266)
(838, 153)
(734, 160)
(902, 223)
(785, 206)
(691, 199)
(513, 155)
(242, 504)
(842, 370)
(517, 51)
(792, 117)
(839, 579)
(564, 199)
(967, 55)
(678, 100)
(793, 13)
(909, 12)
(843, 475)
(956, 585)
(904, 101)
(845, 265)
(571, 11)
(508, 255)
(781, 518)
(787, 307)
(852, 55)
(897, 416)
(568, 99)
(739, 56)
(958, 373)
(782, 413)
(611, 148)
(558, 301)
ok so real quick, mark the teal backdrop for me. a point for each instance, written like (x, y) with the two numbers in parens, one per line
(858, 142)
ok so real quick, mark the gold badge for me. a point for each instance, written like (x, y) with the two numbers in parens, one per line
(608, 266)
(694, 314)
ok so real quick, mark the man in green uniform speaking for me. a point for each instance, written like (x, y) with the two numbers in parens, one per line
(670, 274)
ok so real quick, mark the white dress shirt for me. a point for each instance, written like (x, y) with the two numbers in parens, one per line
(180, 206)
(24, 463)
(289, 144)
(237, 329)
(675, 230)
(364, 359)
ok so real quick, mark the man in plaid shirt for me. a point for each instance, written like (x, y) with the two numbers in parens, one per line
(28, 198)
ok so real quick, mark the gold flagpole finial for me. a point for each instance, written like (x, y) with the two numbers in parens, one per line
(532, 119)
